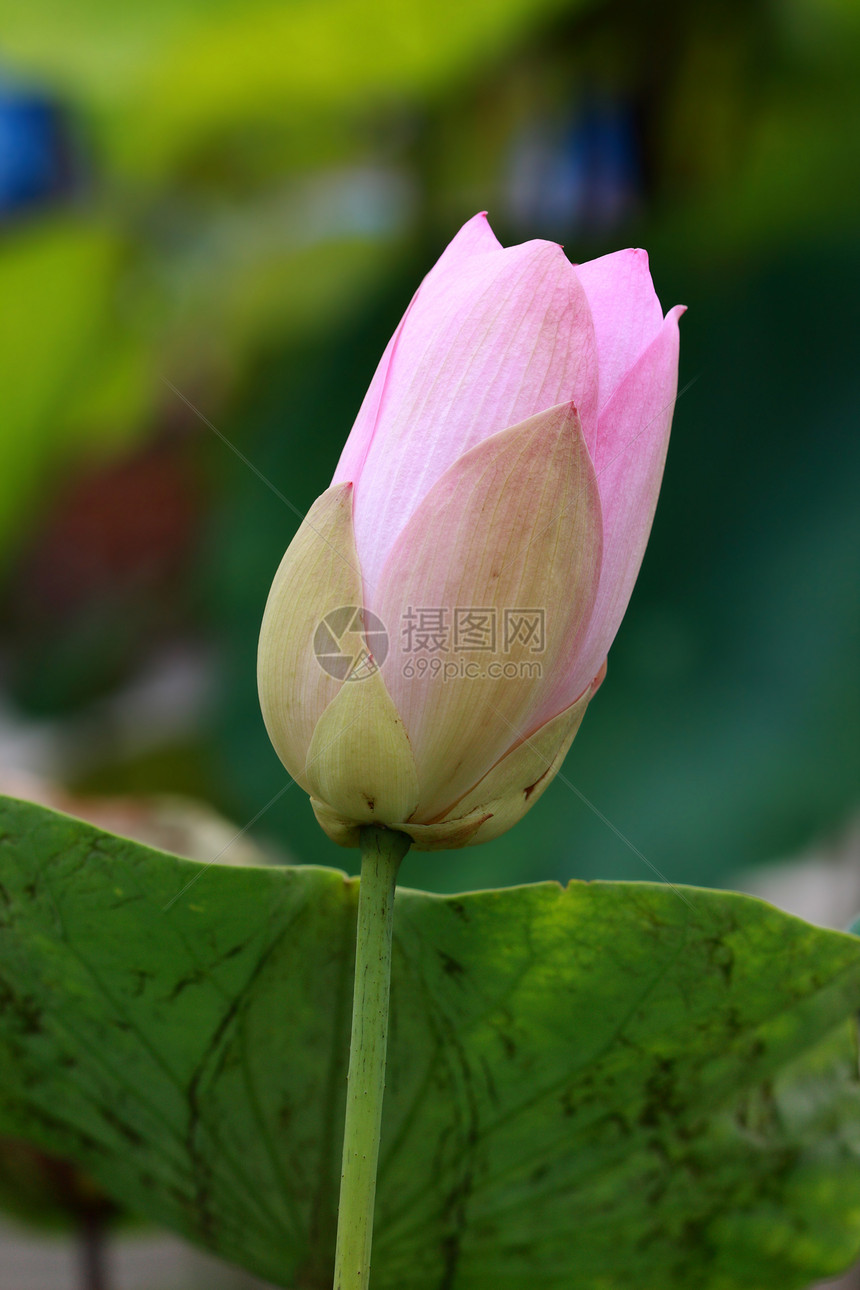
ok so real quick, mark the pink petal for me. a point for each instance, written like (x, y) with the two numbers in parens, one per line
(474, 237)
(634, 436)
(355, 449)
(491, 338)
(626, 312)
(512, 525)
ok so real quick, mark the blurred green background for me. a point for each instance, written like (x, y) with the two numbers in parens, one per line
(232, 204)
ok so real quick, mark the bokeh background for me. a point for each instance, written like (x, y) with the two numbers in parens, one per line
(230, 205)
(212, 216)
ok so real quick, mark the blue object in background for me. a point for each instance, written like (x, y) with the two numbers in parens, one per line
(579, 174)
(35, 158)
(603, 154)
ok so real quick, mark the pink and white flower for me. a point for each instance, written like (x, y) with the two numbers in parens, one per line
(507, 457)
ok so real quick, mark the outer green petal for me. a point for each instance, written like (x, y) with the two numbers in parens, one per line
(507, 791)
(522, 769)
(319, 573)
(445, 836)
(528, 771)
(344, 832)
(494, 805)
(359, 761)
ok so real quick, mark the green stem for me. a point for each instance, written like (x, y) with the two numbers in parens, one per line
(381, 853)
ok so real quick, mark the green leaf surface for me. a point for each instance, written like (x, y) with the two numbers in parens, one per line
(603, 1085)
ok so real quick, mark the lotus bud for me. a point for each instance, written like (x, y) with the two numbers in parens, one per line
(441, 620)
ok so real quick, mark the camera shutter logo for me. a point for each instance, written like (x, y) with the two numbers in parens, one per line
(351, 643)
